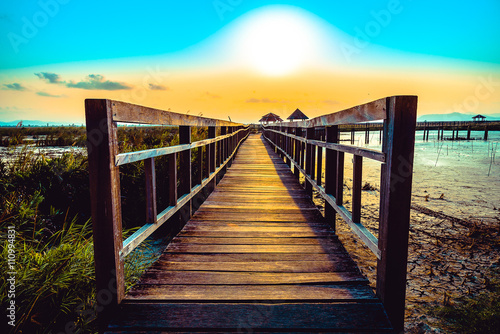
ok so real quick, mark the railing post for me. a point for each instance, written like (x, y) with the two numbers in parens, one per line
(223, 153)
(172, 179)
(211, 156)
(150, 174)
(185, 172)
(395, 200)
(106, 207)
(332, 133)
(309, 156)
(296, 154)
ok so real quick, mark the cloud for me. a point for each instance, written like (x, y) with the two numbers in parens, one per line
(91, 82)
(52, 78)
(48, 94)
(14, 86)
(264, 100)
(212, 96)
(96, 82)
(158, 87)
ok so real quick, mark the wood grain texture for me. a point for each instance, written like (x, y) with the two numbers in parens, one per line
(231, 317)
(257, 241)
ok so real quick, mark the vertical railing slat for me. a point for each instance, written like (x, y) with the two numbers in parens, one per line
(395, 200)
(106, 206)
(356, 188)
(172, 179)
(150, 176)
(339, 191)
(309, 156)
(185, 172)
(331, 173)
(212, 154)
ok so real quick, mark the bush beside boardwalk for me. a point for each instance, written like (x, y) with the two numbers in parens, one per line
(47, 200)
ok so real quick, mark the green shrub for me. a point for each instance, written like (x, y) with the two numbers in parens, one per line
(476, 314)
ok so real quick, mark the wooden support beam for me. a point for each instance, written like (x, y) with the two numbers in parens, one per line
(212, 154)
(105, 203)
(339, 192)
(332, 133)
(319, 166)
(309, 157)
(172, 179)
(185, 172)
(395, 200)
(356, 188)
(150, 176)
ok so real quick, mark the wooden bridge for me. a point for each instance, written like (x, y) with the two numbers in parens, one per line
(256, 255)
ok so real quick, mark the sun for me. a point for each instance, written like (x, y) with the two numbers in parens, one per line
(277, 42)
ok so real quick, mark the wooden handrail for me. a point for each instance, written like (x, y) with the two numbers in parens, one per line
(102, 118)
(399, 122)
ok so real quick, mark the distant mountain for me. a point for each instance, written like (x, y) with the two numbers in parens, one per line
(455, 117)
(35, 123)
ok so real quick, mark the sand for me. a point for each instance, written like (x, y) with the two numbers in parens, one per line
(454, 227)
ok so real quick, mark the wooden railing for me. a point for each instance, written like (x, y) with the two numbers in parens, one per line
(298, 145)
(102, 118)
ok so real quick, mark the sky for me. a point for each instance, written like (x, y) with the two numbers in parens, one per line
(242, 59)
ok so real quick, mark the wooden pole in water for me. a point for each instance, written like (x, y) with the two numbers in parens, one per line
(468, 132)
(486, 132)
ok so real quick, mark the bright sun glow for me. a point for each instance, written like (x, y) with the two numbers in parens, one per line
(278, 42)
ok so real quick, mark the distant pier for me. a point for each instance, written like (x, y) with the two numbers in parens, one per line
(459, 130)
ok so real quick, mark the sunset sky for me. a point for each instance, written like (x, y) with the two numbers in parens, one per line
(243, 58)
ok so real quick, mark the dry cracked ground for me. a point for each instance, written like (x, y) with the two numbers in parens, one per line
(450, 254)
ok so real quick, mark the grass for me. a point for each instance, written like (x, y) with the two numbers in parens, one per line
(474, 314)
(48, 203)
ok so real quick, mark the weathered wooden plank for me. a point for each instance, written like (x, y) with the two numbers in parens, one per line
(235, 223)
(201, 248)
(372, 111)
(255, 234)
(262, 266)
(234, 216)
(306, 317)
(237, 278)
(105, 203)
(395, 199)
(251, 241)
(253, 228)
(238, 293)
(131, 113)
(341, 256)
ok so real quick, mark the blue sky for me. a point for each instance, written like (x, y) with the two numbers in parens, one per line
(73, 30)
(246, 58)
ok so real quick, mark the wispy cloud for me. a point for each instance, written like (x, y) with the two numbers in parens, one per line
(97, 82)
(45, 94)
(212, 96)
(48, 77)
(14, 86)
(264, 100)
(91, 82)
(158, 87)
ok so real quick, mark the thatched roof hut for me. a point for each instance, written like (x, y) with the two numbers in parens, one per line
(297, 114)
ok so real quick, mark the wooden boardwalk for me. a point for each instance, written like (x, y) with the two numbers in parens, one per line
(256, 257)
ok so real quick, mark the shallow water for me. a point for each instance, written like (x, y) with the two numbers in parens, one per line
(460, 178)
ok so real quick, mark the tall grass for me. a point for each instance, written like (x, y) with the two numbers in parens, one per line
(478, 314)
(48, 202)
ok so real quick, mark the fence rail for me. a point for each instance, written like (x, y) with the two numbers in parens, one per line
(299, 146)
(215, 154)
